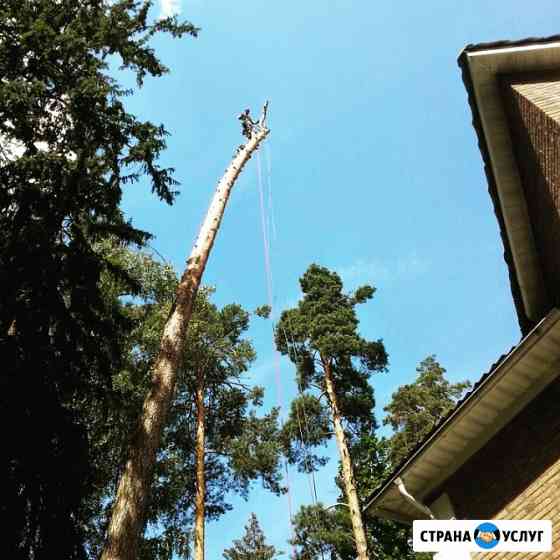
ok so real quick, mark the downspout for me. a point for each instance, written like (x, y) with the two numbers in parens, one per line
(411, 499)
(451, 555)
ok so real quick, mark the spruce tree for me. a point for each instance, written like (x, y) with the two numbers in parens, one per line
(69, 149)
(252, 546)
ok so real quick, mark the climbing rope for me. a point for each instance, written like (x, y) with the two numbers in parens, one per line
(268, 227)
(269, 289)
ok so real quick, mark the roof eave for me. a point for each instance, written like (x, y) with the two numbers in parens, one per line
(481, 66)
(541, 345)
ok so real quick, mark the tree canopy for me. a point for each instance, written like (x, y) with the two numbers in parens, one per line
(241, 445)
(252, 546)
(417, 407)
(69, 148)
(334, 362)
(322, 329)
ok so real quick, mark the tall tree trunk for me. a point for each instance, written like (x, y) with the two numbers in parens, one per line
(347, 470)
(200, 500)
(128, 515)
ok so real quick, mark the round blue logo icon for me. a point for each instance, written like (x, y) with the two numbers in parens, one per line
(487, 535)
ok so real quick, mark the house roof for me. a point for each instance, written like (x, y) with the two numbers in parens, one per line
(521, 374)
(481, 66)
(512, 382)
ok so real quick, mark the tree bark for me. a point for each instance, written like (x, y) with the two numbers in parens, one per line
(347, 470)
(200, 499)
(129, 511)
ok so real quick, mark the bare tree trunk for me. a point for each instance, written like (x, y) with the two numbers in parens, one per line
(129, 510)
(200, 500)
(347, 470)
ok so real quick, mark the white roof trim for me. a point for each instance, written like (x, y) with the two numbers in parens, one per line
(536, 359)
(485, 67)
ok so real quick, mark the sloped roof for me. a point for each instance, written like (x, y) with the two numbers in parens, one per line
(481, 65)
(510, 383)
(501, 393)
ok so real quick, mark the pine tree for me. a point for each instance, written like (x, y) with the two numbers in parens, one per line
(325, 531)
(417, 407)
(334, 362)
(194, 479)
(252, 546)
(133, 493)
(232, 445)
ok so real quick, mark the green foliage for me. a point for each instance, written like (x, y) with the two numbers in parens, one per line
(241, 446)
(68, 148)
(326, 531)
(308, 425)
(263, 311)
(323, 533)
(416, 408)
(325, 319)
(252, 546)
(323, 330)
(254, 453)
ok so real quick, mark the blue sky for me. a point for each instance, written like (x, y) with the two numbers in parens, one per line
(375, 173)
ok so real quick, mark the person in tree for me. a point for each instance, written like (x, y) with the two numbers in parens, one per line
(247, 123)
(252, 546)
(334, 363)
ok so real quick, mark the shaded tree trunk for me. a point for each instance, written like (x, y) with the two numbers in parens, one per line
(347, 469)
(129, 510)
(200, 499)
